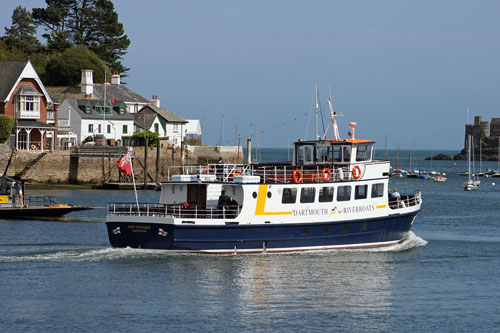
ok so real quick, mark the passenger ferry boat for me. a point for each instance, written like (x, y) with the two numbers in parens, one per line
(333, 195)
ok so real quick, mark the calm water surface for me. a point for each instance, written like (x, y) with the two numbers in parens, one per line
(63, 276)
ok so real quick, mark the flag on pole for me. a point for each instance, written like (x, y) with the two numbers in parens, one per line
(125, 164)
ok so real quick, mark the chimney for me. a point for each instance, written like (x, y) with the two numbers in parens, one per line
(87, 84)
(155, 101)
(115, 78)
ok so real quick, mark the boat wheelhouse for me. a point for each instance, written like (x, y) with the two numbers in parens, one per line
(332, 195)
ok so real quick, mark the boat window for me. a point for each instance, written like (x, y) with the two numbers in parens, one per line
(307, 194)
(346, 153)
(289, 195)
(378, 190)
(361, 192)
(344, 193)
(326, 194)
(337, 154)
(319, 153)
(361, 153)
(329, 154)
(300, 154)
(308, 152)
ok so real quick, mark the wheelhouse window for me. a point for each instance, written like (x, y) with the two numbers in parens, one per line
(289, 195)
(360, 192)
(337, 154)
(307, 195)
(344, 193)
(378, 190)
(326, 194)
(363, 152)
(346, 153)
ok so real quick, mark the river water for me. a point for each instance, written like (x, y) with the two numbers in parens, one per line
(62, 276)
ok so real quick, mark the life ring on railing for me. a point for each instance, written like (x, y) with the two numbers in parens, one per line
(237, 172)
(356, 172)
(206, 169)
(297, 176)
(326, 174)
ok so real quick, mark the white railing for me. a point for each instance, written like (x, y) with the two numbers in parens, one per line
(171, 210)
(269, 173)
(407, 200)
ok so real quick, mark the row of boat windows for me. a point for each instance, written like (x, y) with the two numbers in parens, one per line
(327, 193)
(333, 153)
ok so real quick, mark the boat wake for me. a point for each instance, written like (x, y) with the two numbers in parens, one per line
(410, 242)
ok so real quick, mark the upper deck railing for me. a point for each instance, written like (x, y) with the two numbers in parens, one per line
(275, 173)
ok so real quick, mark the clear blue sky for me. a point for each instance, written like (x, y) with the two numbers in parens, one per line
(406, 69)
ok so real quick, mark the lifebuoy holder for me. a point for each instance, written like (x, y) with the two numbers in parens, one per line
(297, 176)
(326, 174)
(356, 172)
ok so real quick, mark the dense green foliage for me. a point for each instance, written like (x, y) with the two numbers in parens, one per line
(89, 27)
(65, 69)
(152, 137)
(6, 125)
(93, 23)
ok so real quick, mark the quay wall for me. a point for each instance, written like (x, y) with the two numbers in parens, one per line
(59, 167)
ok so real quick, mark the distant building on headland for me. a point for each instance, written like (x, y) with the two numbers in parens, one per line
(485, 137)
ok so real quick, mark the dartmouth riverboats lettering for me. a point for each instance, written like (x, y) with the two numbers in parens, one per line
(309, 212)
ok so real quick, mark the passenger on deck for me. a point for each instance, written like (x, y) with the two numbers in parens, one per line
(232, 208)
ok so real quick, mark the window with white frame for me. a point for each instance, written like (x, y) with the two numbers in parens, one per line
(176, 128)
(28, 106)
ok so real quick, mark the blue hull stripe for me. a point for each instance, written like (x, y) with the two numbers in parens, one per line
(258, 238)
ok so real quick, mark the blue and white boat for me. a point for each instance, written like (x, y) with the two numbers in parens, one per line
(332, 195)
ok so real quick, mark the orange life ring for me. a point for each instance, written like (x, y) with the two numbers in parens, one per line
(237, 172)
(297, 176)
(205, 170)
(356, 172)
(326, 174)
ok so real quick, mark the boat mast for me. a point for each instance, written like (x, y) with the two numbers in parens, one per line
(316, 108)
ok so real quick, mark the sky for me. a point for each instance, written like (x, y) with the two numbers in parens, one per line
(405, 70)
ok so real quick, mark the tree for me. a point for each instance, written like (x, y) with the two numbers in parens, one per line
(93, 23)
(6, 125)
(21, 34)
(65, 69)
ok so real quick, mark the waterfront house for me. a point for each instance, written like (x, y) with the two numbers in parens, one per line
(159, 120)
(24, 98)
(193, 132)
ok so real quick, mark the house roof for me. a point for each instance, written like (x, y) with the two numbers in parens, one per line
(30, 123)
(79, 106)
(193, 127)
(169, 116)
(120, 92)
(10, 71)
(59, 94)
(145, 120)
(26, 89)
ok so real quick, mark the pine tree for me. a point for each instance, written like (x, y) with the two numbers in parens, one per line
(93, 23)
(21, 35)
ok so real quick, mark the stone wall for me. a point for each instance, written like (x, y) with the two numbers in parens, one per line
(59, 167)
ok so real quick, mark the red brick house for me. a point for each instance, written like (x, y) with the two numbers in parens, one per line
(24, 98)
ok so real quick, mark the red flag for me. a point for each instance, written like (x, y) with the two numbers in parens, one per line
(125, 164)
(114, 100)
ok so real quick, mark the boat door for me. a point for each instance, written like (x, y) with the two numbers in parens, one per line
(197, 194)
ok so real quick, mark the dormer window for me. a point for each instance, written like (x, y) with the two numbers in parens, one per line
(27, 103)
